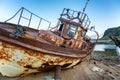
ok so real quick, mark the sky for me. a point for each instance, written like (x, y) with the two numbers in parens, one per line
(103, 14)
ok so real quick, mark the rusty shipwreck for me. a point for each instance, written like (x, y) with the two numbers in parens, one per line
(25, 50)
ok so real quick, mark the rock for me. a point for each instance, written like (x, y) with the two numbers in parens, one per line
(118, 65)
(96, 69)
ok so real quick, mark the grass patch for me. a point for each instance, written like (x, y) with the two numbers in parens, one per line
(106, 52)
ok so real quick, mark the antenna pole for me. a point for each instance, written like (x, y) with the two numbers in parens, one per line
(85, 6)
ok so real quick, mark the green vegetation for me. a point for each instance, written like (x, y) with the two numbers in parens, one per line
(111, 31)
(106, 53)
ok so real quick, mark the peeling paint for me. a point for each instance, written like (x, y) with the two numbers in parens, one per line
(24, 61)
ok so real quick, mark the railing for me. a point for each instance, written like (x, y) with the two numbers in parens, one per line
(76, 16)
(21, 10)
(92, 28)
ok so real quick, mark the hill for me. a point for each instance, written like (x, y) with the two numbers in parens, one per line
(111, 31)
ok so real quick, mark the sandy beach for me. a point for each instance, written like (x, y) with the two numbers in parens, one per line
(86, 70)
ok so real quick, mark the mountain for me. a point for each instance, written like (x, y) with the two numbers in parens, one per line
(111, 31)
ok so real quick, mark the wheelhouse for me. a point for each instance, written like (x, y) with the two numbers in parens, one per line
(72, 24)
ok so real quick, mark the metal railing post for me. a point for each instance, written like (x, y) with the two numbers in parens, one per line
(30, 20)
(20, 16)
(39, 23)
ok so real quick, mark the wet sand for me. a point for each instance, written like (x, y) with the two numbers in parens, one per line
(87, 70)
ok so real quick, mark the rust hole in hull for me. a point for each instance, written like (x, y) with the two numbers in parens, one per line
(28, 66)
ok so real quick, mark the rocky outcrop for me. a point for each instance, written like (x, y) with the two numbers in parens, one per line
(111, 31)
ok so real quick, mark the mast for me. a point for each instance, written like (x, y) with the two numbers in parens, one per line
(83, 16)
(83, 13)
(85, 6)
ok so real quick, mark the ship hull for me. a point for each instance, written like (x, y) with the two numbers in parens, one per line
(16, 61)
(24, 49)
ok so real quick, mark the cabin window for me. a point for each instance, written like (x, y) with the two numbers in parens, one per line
(71, 30)
(61, 27)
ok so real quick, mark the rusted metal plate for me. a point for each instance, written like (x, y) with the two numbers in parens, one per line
(51, 37)
(16, 61)
(40, 44)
